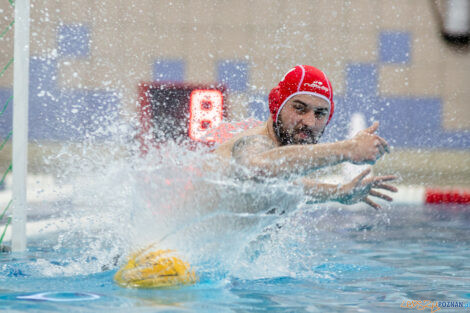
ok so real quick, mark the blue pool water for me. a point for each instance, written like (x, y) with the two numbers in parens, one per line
(320, 260)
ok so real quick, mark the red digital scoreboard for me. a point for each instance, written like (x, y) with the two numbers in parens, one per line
(179, 112)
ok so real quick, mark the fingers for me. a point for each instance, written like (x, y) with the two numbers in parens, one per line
(361, 176)
(384, 144)
(380, 179)
(380, 195)
(372, 128)
(371, 203)
(381, 150)
(387, 187)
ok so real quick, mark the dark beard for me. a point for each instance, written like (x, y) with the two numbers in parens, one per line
(286, 138)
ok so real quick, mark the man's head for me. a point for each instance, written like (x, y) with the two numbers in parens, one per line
(302, 120)
(301, 105)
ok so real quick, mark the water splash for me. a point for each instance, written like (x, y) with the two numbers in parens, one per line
(181, 199)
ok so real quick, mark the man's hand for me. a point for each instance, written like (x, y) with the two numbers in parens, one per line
(360, 188)
(366, 146)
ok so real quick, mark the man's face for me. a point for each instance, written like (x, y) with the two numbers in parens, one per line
(302, 120)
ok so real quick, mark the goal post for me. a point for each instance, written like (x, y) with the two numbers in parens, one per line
(20, 124)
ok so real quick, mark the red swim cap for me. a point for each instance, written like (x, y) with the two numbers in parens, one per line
(302, 79)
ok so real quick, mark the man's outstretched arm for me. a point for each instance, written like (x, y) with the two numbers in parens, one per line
(259, 154)
(360, 189)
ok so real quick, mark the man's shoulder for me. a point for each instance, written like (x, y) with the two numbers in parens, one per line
(253, 135)
(241, 143)
(251, 145)
(256, 139)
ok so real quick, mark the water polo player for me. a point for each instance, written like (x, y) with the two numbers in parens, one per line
(301, 107)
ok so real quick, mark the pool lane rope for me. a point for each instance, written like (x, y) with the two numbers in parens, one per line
(420, 195)
(450, 196)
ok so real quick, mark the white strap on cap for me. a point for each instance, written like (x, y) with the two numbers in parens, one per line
(302, 79)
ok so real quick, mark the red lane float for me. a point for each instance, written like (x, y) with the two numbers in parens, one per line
(451, 196)
(420, 195)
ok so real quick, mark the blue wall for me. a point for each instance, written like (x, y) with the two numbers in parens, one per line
(59, 113)
(406, 122)
(73, 114)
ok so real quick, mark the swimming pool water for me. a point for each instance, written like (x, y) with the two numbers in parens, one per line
(346, 261)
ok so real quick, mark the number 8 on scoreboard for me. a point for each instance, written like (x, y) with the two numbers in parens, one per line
(179, 111)
(206, 112)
